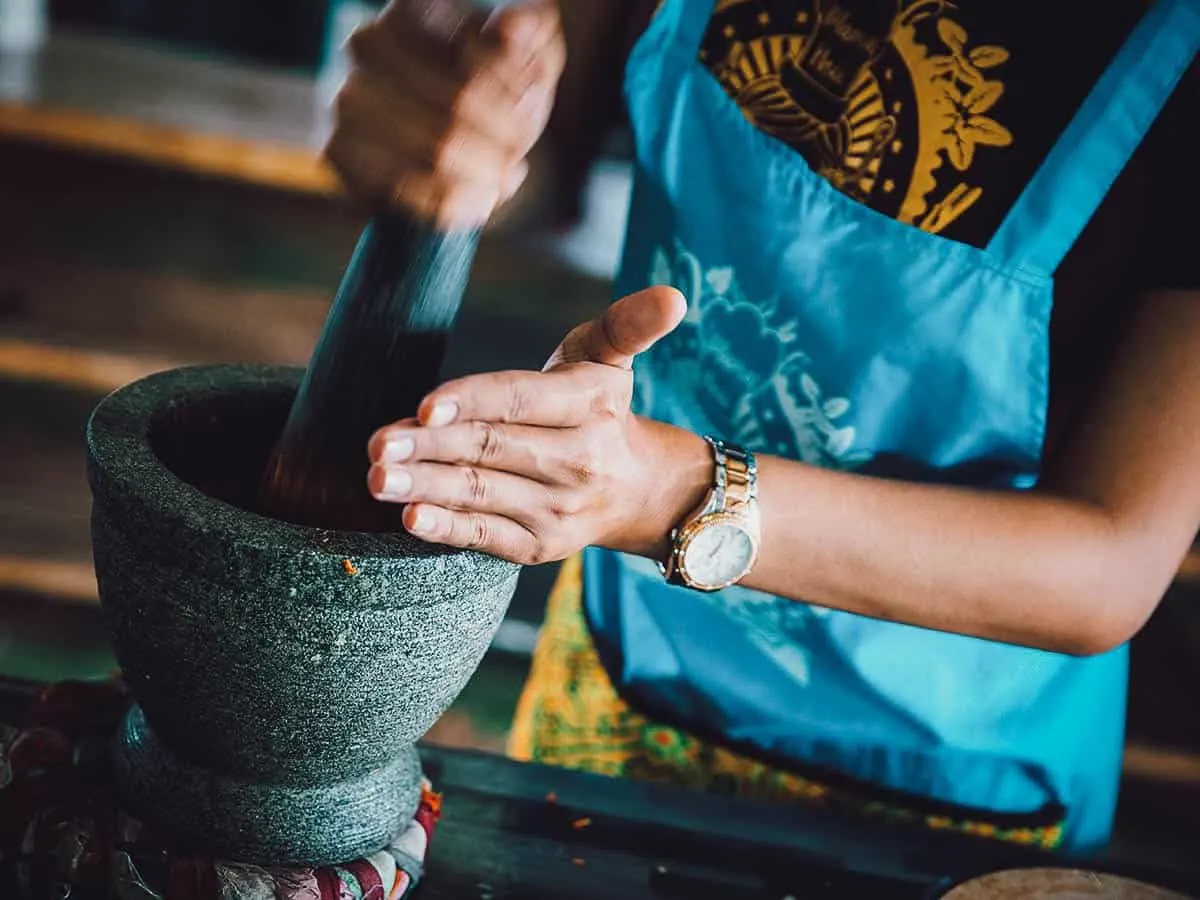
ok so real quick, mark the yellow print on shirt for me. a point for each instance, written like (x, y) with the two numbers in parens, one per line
(890, 100)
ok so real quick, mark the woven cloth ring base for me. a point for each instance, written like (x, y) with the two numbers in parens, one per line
(62, 832)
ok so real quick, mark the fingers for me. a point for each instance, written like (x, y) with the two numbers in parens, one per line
(520, 449)
(479, 509)
(458, 182)
(523, 45)
(475, 531)
(628, 327)
(443, 19)
(419, 153)
(459, 487)
(394, 81)
(460, 506)
(514, 491)
(564, 398)
(441, 108)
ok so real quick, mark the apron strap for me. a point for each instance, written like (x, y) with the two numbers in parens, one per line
(1073, 180)
(680, 24)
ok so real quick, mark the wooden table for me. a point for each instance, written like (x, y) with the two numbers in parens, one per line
(513, 830)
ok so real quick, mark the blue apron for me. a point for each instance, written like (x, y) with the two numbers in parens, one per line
(821, 330)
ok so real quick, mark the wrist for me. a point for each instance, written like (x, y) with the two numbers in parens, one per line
(673, 473)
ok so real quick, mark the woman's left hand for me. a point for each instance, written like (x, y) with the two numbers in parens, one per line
(534, 466)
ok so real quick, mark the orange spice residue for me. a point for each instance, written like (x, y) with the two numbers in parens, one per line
(580, 824)
(433, 800)
(350, 568)
(552, 797)
(579, 862)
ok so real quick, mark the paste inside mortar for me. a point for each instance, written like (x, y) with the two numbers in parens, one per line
(219, 445)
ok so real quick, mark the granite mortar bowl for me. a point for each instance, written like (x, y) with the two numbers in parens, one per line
(282, 674)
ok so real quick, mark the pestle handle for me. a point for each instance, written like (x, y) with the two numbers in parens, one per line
(380, 351)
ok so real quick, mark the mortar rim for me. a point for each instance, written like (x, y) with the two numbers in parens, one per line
(120, 455)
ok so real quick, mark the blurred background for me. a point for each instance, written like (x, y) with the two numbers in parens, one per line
(162, 202)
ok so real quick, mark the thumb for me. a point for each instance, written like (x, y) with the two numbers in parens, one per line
(628, 327)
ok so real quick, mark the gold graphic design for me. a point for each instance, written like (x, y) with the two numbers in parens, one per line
(854, 86)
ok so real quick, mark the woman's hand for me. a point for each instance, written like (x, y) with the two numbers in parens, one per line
(441, 108)
(534, 466)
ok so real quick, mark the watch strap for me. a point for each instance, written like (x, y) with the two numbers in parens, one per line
(735, 487)
(736, 475)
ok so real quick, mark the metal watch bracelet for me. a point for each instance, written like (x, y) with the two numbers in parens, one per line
(735, 487)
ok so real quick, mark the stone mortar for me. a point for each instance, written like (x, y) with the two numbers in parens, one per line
(282, 673)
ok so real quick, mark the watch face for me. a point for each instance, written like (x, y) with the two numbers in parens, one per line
(719, 554)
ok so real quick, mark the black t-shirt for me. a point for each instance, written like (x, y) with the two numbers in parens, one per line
(938, 113)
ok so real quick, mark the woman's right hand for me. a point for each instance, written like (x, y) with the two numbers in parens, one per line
(441, 109)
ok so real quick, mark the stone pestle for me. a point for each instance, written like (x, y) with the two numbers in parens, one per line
(285, 642)
(380, 352)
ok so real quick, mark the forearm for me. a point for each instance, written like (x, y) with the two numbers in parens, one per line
(1022, 567)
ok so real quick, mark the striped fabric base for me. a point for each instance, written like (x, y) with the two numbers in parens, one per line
(62, 833)
(570, 715)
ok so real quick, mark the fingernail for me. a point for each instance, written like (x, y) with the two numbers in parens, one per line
(397, 450)
(443, 413)
(422, 522)
(397, 484)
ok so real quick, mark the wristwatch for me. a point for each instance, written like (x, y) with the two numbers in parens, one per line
(717, 545)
